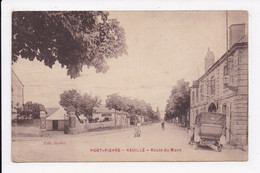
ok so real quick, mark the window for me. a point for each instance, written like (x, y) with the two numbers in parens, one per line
(212, 86)
(201, 93)
(225, 70)
(197, 95)
(192, 116)
(192, 97)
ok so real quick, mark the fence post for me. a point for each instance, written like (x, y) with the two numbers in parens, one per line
(42, 118)
(72, 120)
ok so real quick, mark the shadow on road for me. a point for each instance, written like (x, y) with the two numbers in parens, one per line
(205, 147)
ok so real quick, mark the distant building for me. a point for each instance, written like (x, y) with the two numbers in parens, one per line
(17, 94)
(209, 59)
(57, 119)
(120, 118)
(223, 88)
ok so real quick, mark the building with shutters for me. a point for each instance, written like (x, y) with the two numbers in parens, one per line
(223, 88)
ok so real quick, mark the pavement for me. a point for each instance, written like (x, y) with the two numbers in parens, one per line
(120, 145)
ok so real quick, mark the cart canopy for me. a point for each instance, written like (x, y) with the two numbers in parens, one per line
(210, 118)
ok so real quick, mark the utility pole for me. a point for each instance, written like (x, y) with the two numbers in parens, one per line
(226, 30)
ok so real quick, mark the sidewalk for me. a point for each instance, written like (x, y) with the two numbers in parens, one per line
(57, 134)
(226, 146)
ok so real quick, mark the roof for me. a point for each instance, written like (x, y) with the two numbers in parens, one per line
(103, 109)
(243, 39)
(17, 77)
(242, 42)
(41, 107)
(58, 115)
(211, 118)
(50, 111)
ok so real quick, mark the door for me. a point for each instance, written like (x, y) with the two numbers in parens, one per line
(55, 125)
(225, 110)
(212, 108)
(228, 124)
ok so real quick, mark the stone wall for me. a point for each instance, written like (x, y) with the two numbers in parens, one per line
(48, 124)
(122, 122)
(75, 126)
(61, 124)
(240, 111)
(81, 127)
(28, 123)
(17, 91)
(100, 125)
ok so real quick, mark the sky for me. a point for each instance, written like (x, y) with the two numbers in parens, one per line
(163, 47)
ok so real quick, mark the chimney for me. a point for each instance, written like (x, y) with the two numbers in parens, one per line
(236, 32)
(209, 60)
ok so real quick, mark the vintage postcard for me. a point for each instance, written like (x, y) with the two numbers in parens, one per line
(92, 86)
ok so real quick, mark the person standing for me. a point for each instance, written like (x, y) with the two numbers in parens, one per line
(163, 126)
(138, 129)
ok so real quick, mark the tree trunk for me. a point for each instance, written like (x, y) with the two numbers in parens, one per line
(115, 118)
(76, 113)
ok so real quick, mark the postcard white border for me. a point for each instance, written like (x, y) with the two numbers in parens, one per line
(254, 92)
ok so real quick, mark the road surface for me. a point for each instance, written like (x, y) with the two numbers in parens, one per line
(119, 145)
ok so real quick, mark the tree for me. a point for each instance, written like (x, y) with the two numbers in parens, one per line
(29, 110)
(178, 103)
(114, 101)
(73, 38)
(88, 105)
(150, 113)
(158, 114)
(83, 104)
(131, 106)
(71, 98)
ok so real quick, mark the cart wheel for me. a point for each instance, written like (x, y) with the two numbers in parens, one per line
(196, 144)
(220, 148)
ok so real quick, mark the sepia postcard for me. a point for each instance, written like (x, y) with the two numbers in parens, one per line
(90, 86)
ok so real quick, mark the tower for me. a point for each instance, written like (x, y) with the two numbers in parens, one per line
(236, 33)
(209, 60)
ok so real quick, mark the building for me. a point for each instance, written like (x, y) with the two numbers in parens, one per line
(223, 88)
(120, 118)
(56, 119)
(17, 94)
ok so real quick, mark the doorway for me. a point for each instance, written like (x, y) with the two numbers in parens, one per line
(212, 108)
(225, 110)
(54, 124)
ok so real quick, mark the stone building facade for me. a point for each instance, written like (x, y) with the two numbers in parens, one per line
(223, 88)
(17, 94)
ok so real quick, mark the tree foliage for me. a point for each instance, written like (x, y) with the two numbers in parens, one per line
(115, 101)
(72, 38)
(131, 106)
(29, 110)
(158, 114)
(88, 105)
(178, 103)
(84, 104)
